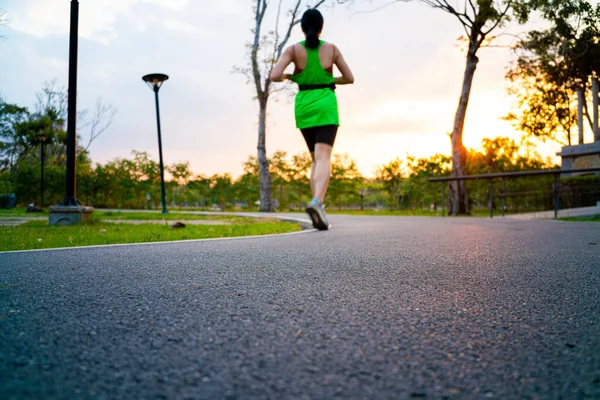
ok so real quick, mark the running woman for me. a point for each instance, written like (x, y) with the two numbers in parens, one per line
(316, 107)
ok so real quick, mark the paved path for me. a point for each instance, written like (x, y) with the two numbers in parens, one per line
(11, 221)
(569, 212)
(377, 308)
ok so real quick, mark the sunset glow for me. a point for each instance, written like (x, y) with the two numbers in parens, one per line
(403, 101)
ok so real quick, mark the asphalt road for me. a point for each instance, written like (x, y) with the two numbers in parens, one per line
(376, 308)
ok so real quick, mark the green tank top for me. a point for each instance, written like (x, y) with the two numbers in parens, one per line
(317, 107)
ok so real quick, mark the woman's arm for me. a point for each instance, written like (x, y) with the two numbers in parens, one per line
(347, 77)
(286, 59)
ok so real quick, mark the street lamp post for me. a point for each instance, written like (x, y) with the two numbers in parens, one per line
(43, 139)
(70, 198)
(70, 211)
(155, 81)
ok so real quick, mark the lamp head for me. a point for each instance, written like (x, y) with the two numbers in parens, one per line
(155, 81)
(43, 137)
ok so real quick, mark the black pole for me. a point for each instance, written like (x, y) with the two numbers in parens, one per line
(162, 170)
(491, 198)
(503, 197)
(556, 194)
(42, 182)
(70, 199)
(443, 200)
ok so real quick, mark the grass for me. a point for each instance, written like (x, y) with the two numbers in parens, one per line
(157, 215)
(184, 214)
(20, 212)
(587, 218)
(38, 235)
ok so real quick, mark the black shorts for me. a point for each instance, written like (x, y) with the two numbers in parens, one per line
(319, 134)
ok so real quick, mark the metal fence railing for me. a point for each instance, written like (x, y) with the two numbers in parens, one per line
(509, 175)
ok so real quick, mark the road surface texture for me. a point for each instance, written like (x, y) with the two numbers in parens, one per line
(376, 308)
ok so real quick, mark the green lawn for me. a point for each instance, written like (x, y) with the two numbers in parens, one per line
(21, 212)
(157, 215)
(38, 235)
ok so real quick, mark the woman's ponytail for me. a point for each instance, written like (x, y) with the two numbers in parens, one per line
(312, 25)
(312, 39)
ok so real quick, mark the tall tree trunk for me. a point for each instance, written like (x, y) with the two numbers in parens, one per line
(458, 196)
(595, 109)
(586, 112)
(567, 127)
(580, 102)
(266, 203)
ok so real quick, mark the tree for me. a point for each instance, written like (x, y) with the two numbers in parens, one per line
(392, 176)
(101, 119)
(3, 22)
(418, 189)
(553, 67)
(345, 178)
(264, 52)
(12, 117)
(299, 180)
(478, 18)
(279, 171)
(200, 189)
(502, 154)
(181, 174)
(53, 99)
(221, 189)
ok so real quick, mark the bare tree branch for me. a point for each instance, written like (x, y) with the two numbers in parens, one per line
(501, 18)
(464, 19)
(103, 118)
(275, 42)
(472, 7)
(3, 22)
(294, 22)
(261, 9)
(380, 7)
(495, 46)
(283, 88)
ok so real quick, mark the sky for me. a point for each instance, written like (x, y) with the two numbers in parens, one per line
(405, 59)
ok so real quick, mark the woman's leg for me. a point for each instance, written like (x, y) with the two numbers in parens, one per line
(310, 136)
(312, 174)
(321, 170)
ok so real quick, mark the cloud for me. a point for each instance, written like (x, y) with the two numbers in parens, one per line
(179, 26)
(96, 18)
(407, 68)
(404, 116)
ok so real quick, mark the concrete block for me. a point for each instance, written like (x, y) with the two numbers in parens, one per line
(70, 215)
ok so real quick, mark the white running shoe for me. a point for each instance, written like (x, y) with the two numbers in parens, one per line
(316, 212)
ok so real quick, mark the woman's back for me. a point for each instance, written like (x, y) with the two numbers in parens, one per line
(317, 106)
(327, 53)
